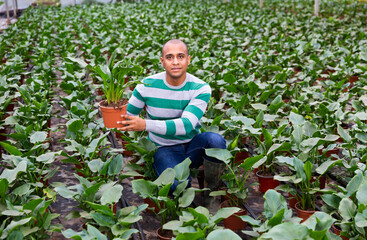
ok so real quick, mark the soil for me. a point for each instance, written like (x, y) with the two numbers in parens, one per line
(119, 104)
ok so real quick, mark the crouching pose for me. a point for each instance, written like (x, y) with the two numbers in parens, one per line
(175, 101)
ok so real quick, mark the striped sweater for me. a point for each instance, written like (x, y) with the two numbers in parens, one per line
(173, 112)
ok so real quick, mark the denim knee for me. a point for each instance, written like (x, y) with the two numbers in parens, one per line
(215, 140)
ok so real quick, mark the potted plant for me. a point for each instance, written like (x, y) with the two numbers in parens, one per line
(235, 179)
(306, 186)
(349, 206)
(267, 165)
(275, 213)
(316, 227)
(113, 86)
(169, 205)
(198, 223)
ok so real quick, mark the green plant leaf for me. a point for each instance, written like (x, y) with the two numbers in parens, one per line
(112, 195)
(296, 119)
(144, 188)
(38, 137)
(344, 134)
(11, 175)
(286, 231)
(187, 198)
(220, 154)
(11, 149)
(249, 162)
(116, 165)
(166, 177)
(354, 184)
(224, 213)
(183, 170)
(223, 234)
(347, 209)
(362, 194)
(75, 125)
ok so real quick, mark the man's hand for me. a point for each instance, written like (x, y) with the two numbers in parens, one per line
(132, 123)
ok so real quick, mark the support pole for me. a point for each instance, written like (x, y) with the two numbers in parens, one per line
(14, 9)
(261, 3)
(317, 6)
(7, 11)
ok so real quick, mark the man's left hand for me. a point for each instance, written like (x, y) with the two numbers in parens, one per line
(132, 123)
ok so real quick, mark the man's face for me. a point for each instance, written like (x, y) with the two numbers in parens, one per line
(175, 60)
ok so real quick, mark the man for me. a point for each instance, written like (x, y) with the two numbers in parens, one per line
(175, 101)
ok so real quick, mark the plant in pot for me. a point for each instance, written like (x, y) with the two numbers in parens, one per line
(106, 193)
(113, 86)
(306, 186)
(169, 206)
(113, 224)
(198, 223)
(349, 206)
(142, 166)
(316, 227)
(235, 179)
(275, 212)
(267, 165)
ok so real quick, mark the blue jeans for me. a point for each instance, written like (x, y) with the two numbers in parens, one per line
(170, 156)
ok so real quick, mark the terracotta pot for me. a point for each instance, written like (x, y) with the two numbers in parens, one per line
(99, 92)
(304, 214)
(233, 222)
(112, 115)
(337, 231)
(266, 182)
(292, 200)
(79, 166)
(126, 153)
(11, 105)
(322, 181)
(330, 152)
(152, 205)
(240, 157)
(164, 234)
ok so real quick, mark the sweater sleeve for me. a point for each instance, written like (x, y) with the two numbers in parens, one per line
(136, 102)
(190, 118)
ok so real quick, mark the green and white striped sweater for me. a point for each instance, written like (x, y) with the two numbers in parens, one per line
(173, 112)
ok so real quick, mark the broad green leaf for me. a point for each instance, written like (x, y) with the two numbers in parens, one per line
(220, 154)
(224, 213)
(249, 162)
(286, 231)
(95, 232)
(354, 184)
(75, 125)
(298, 134)
(144, 188)
(116, 165)
(223, 234)
(325, 166)
(79, 61)
(347, 209)
(259, 106)
(344, 134)
(112, 195)
(38, 137)
(102, 219)
(11, 149)
(362, 194)
(187, 198)
(11, 174)
(296, 119)
(183, 170)
(166, 177)
(274, 202)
